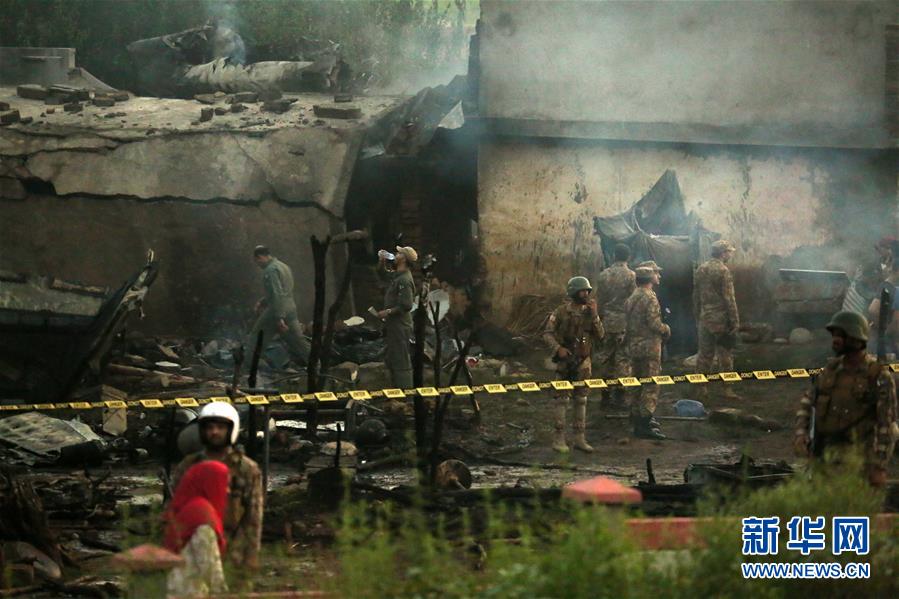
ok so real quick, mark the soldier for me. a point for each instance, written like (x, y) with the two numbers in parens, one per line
(219, 428)
(614, 286)
(571, 331)
(277, 311)
(715, 309)
(645, 332)
(852, 402)
(397, 314)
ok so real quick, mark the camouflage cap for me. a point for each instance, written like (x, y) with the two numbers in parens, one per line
(650, 264)
(721, 246)
(407, 251)
(644, 273)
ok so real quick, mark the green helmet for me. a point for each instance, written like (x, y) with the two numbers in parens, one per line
(852, 323)
(576, 284)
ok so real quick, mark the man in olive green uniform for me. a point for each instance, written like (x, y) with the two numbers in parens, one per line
(852, 403)
(645, 333)
(397, 314)
(277, 309)
(715, 309)
(571, 332)
(614, 286)
(219, 428)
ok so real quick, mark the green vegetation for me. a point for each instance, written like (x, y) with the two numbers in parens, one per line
(405, 43)
(586, 551)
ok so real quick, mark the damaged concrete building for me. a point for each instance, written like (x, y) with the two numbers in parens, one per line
(776, 120)
(84, 192)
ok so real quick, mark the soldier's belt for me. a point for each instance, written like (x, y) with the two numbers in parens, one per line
(323, 397)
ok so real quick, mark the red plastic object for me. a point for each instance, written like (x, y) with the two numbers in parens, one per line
(147, 558)
(601, 490)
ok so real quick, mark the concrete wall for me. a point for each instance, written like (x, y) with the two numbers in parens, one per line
(805, 72)
(537, 200)
(208, 282)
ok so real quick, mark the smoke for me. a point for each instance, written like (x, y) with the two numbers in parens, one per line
(226, 41)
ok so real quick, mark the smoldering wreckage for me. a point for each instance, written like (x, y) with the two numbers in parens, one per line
(111, 409)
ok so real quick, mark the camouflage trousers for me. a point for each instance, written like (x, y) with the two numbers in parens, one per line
(563, 397)
(710, 346)
(645, 398)
(612, 359)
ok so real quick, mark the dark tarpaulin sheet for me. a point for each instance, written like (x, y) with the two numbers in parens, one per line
(659, 228)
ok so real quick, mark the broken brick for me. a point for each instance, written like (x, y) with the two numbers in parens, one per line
(119, 96)
(104, 102)
(9, 117)
(73, 107)
(270, 95)
(206, 98)
(4, 106)
(26, 120)
(31, 91)
(333, 111)
(279, 106)
(238, 107)
(221, 110)
(206, 114)
(246, 97)
(67, 91)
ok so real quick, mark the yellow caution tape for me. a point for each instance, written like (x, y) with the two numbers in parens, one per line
(455, 390)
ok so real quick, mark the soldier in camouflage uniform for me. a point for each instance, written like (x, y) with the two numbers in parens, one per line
(614, 286)
(397, 314)
(571, 331)
(645, 333)
(277, 309)
(852, 402)
(219, 428)
(715, 309)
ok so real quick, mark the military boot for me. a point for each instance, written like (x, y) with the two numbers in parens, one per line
(559, 443)
(644, 430)
(580, 423)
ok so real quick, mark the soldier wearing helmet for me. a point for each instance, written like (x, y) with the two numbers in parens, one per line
(715, 310)
(571, 331)
(219, 428)
(645, 332)
(852, 403)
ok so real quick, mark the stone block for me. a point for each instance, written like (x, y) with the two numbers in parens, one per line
(31, 91)
(333, 111)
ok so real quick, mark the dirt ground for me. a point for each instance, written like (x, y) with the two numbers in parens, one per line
(516, 428)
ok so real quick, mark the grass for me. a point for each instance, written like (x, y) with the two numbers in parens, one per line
(586, 551)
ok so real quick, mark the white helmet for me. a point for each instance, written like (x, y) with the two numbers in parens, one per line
(222, 411)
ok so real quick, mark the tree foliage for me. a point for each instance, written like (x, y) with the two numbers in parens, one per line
(404, 43)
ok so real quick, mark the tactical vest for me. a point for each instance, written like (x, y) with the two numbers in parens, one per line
(575, 330)
(839, 409)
